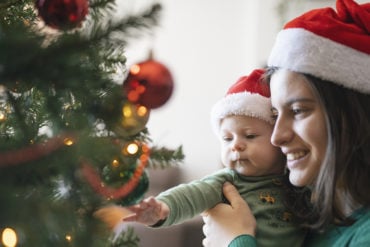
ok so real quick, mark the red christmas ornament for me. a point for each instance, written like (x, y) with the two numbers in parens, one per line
(149, 83)
(62, 14)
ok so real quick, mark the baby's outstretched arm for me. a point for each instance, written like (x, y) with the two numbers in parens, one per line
(148, 212)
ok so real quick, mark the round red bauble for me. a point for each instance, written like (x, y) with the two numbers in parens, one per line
(149, 83)
(62, 14)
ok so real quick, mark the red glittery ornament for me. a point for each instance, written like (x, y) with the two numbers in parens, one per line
(149, 83)
(62, 14)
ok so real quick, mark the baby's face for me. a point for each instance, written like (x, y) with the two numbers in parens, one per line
(246, 146)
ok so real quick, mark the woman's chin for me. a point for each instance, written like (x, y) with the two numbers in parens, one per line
(297, 180)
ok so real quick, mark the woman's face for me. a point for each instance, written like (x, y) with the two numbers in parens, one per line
(300, 129)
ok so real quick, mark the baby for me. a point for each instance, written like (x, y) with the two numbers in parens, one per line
(242, 121)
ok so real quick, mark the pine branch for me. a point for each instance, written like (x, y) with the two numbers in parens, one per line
(114, 32)
(163, 157)
(128, 238)
(100, 8)
(9, 3)
(76, 56)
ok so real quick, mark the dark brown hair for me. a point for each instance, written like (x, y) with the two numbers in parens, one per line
(347, 162)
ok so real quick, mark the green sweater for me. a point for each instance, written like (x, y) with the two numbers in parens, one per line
(356, 235)
(263, 194)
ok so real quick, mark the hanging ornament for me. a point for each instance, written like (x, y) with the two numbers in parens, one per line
(62, 14)
(149, 83)
(133, 120)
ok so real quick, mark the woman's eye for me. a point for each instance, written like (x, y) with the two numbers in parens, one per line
(274, 114)
(297, 111)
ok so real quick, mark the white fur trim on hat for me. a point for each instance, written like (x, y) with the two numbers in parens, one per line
(245, 104)
(302, 51)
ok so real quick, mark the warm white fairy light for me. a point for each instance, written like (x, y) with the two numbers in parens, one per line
(2, 116)
(126, 111)
(68, 238)
(135, 69)
(68, 141)
(115, 162)
(141, 111)
(132, 148)
(9, 237)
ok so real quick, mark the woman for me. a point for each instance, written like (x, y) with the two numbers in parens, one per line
(320, 86)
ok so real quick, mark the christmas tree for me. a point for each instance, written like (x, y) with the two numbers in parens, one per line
(73, 134)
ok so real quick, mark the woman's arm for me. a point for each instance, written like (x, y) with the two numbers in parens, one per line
(234, 223)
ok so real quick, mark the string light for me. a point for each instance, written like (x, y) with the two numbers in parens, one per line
(2, 116)
(141, 111)
(126, 111)
(68, 238)
(68, 141)
(132, 148)
(135, 69)
(115, 163)
(9, 237)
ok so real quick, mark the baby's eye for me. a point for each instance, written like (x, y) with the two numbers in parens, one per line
(250, 136)
(227, 138)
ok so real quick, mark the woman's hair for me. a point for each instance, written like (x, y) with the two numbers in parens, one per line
(347, 161)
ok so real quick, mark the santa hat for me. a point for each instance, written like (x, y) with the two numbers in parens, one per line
(328, 44)
(249, 96)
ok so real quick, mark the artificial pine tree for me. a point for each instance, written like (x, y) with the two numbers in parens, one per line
(72, 138)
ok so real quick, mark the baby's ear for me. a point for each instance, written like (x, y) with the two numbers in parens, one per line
(112, 215)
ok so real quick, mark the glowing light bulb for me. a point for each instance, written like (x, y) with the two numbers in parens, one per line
(132, 148)
(9, 237)
(127, 111)
(135, 69)
(115, 163)
(68, 238)
(2, 116)
(68, 141)
(141, 111)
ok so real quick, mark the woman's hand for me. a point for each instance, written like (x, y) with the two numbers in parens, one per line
(225, 222)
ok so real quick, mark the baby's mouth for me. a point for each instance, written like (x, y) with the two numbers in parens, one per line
(235, 157)
(240, 162)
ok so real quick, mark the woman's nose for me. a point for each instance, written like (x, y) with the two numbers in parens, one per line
(282, 133)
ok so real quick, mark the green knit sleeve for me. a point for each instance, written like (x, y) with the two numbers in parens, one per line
(188, 200)
(243, 241)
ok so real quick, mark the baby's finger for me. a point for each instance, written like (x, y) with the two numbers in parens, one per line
(134, 208)
(152, 201)
(131, 217)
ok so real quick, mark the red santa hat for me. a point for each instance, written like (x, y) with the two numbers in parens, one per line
(331, 45)
(249, 96)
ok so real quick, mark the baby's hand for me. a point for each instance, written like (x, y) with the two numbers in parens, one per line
(148, 212)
